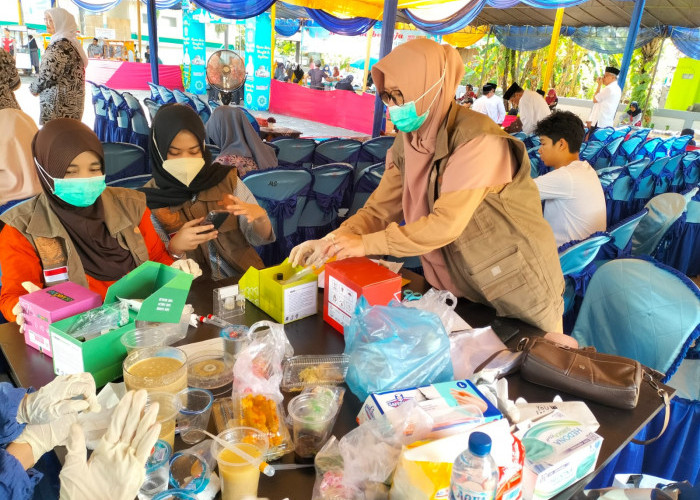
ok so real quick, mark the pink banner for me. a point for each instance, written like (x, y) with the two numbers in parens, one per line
(120, 75)
(339, 108)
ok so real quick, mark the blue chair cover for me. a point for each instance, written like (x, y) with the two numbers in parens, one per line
(532, 141)
(214, 104)
(366, 181)
(166, 95)
(295, 153)
(328, 190)
(627, 151)
(100, 106)
(680, 247)
(519, 135)
(202, 107)
(140, 130)
(621, 244)
(126, 165)
(664, 209)
(675, 145)
(691, 169)
(619, 132)
(111, 128)
(123, 117)
(619, 194)
(648, 148)
(337, 151)
(671, 171)
(215, 150)
(283, 194)
(642, 133)
(593, 149)
(155, 95)
(604, 158)
(607, 175)
(374, 151)
(152, 107)
(181, 98)
(601, 134)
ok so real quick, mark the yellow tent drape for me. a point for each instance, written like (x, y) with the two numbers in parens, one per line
(372, 9)
(466, 37)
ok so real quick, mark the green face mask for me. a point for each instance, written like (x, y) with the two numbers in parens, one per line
(405, 117)
(79, 192)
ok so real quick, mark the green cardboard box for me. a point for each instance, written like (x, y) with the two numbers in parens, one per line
(285, 303)
(164, 292)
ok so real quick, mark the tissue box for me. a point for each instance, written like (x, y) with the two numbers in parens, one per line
(348, 279)
(49, 305)
(558, 452)
(163, 290)
(439, 400)
(285, 303)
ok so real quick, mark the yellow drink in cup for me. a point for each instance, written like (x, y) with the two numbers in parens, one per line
(239, 477)
(156, 369)
(168, 407)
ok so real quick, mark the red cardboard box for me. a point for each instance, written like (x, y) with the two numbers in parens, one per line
(347, 280)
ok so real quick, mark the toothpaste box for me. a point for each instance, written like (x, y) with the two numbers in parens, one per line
(52, 304)
(454, 406)
(558, 452)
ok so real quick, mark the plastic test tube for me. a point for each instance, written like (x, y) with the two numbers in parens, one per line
(214, 320)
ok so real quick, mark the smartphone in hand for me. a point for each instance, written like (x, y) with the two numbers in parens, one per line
(215, 217)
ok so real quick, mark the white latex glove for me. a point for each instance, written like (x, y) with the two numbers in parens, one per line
(116, 468)
(45, 437)
(188, 266)
(56, 399)
(311, 252)
(17, 310)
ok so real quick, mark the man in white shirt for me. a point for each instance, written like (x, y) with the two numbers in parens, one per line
(531, 107)
(574, 200)
(605, 101)
(490, 104)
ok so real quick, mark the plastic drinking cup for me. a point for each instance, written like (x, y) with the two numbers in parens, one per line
(195, 409)
(141, 338)
(157, 471)
(168, 408)
(313, 417)
(239, 477)
(176, 494)
(236, 338)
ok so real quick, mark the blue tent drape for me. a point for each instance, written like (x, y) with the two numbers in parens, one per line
(455, 22)
(609, 40)
(502, 4)
(523, 38)
(165, 4)
(350, 27)
(687, 40)
(96, 6)
(235, 9)
(287, 27)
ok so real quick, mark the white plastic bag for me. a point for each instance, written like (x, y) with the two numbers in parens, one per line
(442, 303)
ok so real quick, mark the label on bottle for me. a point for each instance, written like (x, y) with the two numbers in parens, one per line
(458, 492)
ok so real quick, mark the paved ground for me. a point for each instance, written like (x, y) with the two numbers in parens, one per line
(30, 105)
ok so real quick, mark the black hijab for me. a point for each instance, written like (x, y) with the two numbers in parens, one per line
(54, 147)
(636, 110)
(169, 121)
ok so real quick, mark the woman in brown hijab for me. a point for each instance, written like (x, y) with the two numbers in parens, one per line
(76, 229)
(464, 190)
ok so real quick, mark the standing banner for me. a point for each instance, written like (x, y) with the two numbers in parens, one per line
(258, 36)
(194, 55)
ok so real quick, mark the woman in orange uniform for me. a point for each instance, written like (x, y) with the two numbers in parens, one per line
(76, 229)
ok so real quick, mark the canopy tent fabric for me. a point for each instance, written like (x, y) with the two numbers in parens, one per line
(525, 38)
(466, 37)
(455, 21)
(165, 4)
(287, 27)
(687, 40)
(609, 40)
(341, 26)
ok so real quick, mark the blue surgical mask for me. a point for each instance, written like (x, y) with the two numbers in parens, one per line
(405, 117)
(80, 191)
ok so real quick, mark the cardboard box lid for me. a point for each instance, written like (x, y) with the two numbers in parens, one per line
(163, 289)
(59, 296)
(361, 271)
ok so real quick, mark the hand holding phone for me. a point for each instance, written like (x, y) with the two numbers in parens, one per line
(215, 218)
(192, 234)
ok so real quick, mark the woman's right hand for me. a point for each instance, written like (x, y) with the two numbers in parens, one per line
(311, 252)
(191, 235)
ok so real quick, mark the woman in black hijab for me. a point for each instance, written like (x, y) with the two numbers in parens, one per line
(634, 115)
(187, 185)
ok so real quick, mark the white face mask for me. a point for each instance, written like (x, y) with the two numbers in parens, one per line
(184, 169)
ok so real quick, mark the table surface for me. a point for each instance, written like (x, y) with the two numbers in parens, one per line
(312, 335)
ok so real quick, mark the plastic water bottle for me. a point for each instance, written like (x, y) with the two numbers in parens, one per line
(474, 473)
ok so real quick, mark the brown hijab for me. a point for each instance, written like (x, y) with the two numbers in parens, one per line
(413, 68)
(54, 147)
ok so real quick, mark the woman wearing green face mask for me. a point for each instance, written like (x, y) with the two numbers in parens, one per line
(76, 229)
(462, 186)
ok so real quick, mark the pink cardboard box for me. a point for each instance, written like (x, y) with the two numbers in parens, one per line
(48, 305)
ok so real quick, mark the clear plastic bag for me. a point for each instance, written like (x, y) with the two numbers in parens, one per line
(95, 322)
(395, 347)
(440, 302)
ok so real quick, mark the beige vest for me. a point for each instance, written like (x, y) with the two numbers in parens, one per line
(506, 257)
(231, 244)
(34, 218)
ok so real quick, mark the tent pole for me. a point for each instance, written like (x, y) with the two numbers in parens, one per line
(553, 48)
(153, 40)
(19, 10)
(483, 64)
(653, 77)
(631, 39)
(273, 16)
(369, 47)
(388, 23)
(138, 26)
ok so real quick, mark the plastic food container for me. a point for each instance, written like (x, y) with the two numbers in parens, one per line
(157, 471)
(308, 371)
(210, 370)
(176, 494)
(191, 469)
(141, 338)
(156, 369)
(258, 411)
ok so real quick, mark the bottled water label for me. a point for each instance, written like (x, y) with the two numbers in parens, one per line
(462, 492)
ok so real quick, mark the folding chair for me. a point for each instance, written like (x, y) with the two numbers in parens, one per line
(295, 153)
(601, 134)
(283, 194)
(328, 189)
(374, 151)
(604, 158)
(607, 175)
(140, 131)
(619, 132)
(640, 132)
(532, 141)
(181, 98)
(100, 106)
(642, 309)
(126, 165)
(122, 115)
(666, 171)
(627, 151)
(680, 246)
(111, 129)
(337, 151)
(166, 95)
(202, 108)
(366, 181)
(155, 95)
(648, 148)
(674, 145)
(591, 152)
(152, 107)
(621, 244)
(691, 169)
(664, 209)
